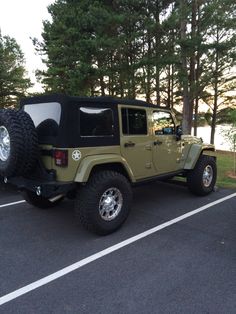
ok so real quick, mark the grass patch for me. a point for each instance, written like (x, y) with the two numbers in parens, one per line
(225, 166)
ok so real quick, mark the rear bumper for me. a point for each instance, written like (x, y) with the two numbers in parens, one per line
(47, 189)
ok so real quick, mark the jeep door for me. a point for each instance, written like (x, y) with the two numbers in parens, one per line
(135, 141)
(166, 149)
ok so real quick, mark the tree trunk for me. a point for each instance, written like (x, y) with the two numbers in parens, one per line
(148, 83)
(192, 76)
(215, 104)
(196, 116)
(111, 76)
(187, 110)
(157, 49)
(168, 104)
(92, 90)
(172, 87)
(102, 84)
(101, 78)
(121, 87)
(213, 124)
(197, 91)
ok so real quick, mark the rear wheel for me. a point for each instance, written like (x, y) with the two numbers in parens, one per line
(201, 180)
(103, 204)
(39, 201)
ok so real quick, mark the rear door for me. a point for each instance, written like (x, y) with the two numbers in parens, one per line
(135, 140)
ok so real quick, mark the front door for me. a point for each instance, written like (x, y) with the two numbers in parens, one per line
(166, 150)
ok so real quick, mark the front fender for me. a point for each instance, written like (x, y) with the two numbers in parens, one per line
(194, 153)
(89, 162)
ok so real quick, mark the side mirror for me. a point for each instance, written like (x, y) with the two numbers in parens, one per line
(179, 132)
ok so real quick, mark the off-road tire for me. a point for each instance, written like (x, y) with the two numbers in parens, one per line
(89, 197)
(23, 143)
(195, 177)
(8, 119)
(39, 201)
(30, 148)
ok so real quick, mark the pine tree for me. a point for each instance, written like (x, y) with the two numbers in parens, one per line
(164, 50)
(13, 81)
(221, 52)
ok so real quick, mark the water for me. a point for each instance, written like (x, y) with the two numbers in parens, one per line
(221, 142)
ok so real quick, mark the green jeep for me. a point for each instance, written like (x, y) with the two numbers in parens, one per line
(94, 150)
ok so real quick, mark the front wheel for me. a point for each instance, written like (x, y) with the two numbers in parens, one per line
(39, 201)
(103, 204)
(201, 180)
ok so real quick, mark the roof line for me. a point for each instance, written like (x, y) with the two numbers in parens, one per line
(99, 99)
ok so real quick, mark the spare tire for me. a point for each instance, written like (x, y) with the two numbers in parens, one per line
(30, 146)
(18, 143)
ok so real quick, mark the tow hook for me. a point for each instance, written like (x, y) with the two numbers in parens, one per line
(38, 190)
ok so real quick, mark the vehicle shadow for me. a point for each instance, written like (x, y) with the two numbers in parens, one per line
(153, 203)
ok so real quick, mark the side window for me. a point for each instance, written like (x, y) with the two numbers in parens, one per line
(134, 121)
(163, 123)
(96, 121)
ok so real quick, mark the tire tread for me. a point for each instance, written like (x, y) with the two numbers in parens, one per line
(88, 195)
(194, 177)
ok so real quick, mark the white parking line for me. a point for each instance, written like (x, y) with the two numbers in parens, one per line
(13, 203)
(64, 271)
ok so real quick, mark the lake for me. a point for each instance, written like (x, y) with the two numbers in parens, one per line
(220, 141)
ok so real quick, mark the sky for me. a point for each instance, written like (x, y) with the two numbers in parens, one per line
(22, 19)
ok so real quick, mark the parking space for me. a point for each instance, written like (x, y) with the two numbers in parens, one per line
(186, 267)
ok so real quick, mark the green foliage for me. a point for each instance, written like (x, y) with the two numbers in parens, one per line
(230, 134)
(13, 83)
(105, 47)
(227, 116)
(160, 50)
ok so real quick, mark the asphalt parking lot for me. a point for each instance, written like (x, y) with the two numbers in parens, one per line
(187, 265)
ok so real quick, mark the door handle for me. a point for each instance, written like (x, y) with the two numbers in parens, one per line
(129, 144)
(157, 142)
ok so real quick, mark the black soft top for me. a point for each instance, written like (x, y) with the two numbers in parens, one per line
(65, 99)
(68, 135)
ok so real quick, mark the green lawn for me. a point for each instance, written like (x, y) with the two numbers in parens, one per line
(225, 165)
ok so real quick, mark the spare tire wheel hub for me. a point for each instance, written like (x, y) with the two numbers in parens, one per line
(4, 143)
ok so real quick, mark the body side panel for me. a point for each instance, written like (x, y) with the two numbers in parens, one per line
(194, 153)
(89, 162)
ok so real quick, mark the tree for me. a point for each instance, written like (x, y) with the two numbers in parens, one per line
(103, 47)
(163, 50)
(13, 81)
(206, 53)
(221, 53)
(230, 134)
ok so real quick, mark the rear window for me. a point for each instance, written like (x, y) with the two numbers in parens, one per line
(96, 122)
(44, 111)
(46, 118)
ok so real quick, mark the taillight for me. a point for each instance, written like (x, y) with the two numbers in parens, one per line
(61, 157)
